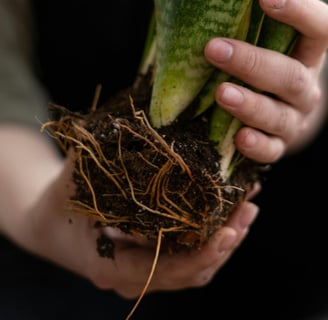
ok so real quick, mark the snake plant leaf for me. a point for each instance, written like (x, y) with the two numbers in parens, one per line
(181, 70)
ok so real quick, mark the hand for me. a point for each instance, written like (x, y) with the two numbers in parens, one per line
(69, 240)
(274, 126)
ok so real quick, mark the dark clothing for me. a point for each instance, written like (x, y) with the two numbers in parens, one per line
(279, 272)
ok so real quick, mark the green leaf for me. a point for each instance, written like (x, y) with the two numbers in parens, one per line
(181, 71)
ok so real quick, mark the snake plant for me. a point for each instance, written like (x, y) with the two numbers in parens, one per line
(178, 34)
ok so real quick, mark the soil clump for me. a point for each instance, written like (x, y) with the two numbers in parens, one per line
(144, 181)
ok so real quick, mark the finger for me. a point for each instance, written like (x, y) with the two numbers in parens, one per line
(258, 146)
(201, 265)
(124, 240)
(178, 270)
(205, 276)
(265, 114)
(266, 70)
(188, 269)
(243, 216)
(132, 266)
(256, 188)
(211, 271)
(310, 17)
(240, 221)
(260, 111)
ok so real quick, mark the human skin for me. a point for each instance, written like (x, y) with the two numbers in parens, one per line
(34, 216)
(285, 124)
(35, 179)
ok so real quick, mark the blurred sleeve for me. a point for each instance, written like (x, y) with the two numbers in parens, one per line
(22, 97)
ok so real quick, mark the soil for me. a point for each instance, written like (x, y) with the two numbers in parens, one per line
(144, 181)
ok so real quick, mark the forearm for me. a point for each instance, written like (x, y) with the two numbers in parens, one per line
(28, 163)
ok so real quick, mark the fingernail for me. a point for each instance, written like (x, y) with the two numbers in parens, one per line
(219, 50)
(231, 96)
(248, 217)
(227, 241)
(250, 140)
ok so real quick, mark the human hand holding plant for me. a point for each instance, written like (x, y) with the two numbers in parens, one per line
(295, 105)
(33, 213)
(37, 220)
(164, 164)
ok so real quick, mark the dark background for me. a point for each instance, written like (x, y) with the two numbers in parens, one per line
(279, 272)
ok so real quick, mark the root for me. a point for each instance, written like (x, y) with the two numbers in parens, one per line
(150, 276)
(143, 181)
(96, 98)
(140, 115)
(152, 271)
(129, 176)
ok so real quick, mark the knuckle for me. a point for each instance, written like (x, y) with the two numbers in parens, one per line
(316, 98)
(202, 279)
(296, 80)
(250, 63)
(257, 108)
(276, 150)
(268, 150)
(253, 110)
(276, 153)
(304, 126)
(283, 122)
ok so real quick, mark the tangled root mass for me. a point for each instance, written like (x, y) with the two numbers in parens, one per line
(141, 180)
